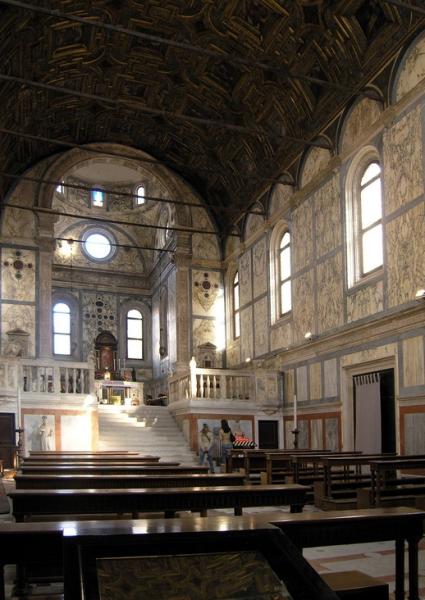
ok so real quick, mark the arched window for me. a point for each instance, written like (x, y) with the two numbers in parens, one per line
(365, 252)
(140, 198)
(61, 329)
(236, 307)
(284, 269)
(97, 198)
(135, 334)
(370, 219)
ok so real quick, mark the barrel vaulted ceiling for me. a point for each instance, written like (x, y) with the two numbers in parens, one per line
(228, 93)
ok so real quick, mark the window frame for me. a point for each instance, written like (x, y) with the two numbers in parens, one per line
(93, 191)
(136, 196)
(128, 338)
(108, 235)
(355, 274)
(236, 311)
(284, 280)
(276, 282)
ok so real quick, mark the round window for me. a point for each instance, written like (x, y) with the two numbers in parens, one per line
(98, 245)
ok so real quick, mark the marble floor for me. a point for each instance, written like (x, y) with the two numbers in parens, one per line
(375, 559)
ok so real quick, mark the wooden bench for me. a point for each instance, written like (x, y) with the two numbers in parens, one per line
(4, 501)
(355, 585)
(59, 453)
(39, 503)
(21, 542)
(91, 458)
(67, 482)
(110, 469)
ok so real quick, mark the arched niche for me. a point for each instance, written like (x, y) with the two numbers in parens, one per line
(411, 69)
(358, 120)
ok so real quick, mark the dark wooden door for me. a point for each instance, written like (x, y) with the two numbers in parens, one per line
(7, 439)
(268, 435)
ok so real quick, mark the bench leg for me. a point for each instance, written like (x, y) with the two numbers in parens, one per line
(2, 589)
(399, 569)
(203, 512)
(169, 514)
(296, 508)
(413, 569)
(238, 511)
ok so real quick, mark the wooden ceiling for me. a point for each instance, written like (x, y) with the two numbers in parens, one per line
(228, 93)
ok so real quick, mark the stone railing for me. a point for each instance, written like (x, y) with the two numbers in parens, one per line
(213, 384)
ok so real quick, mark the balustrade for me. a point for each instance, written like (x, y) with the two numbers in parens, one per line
(213, 384)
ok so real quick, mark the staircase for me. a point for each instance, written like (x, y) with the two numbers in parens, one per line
(145, 429)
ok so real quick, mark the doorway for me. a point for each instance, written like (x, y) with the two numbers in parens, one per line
(374, 412)
(7, 439)
(268, 435)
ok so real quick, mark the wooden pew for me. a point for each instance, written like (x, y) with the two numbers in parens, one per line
(40, 503)
(69, 482)
(391, 490)
(21, 542)
(90, 458)
(59, 453)
(111, 469)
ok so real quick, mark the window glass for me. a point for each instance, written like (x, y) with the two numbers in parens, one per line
(61, 329)
(97, 245)
(135, 349)
(371, 210)
(62, 344)
(372, 171)
(284, 291)
(97, 197)
(285, 297)
(140, 195)
(236, 314)
(134, 334)
(372, 249)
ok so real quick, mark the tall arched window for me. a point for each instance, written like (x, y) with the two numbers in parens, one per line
(134, 334)
(140, 198)
(365, 248)
(285, 299)
(236, 307)
(370, 219)
(61, 329)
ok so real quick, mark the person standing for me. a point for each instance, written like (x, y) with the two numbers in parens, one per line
(226, 438)
(205, 441)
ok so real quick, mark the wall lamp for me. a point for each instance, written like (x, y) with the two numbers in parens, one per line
(309, 336)
(420, 294)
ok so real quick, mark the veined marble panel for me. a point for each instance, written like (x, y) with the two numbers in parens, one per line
(317, 160)
(331, 434)
(328, 217)
(330, 293)
(315, 381)
(280, 197)
(281, 336)
(414, 424)
(18, 223)
(413, 361)
(359, 121)
(232, 245)
(207, 293)
(289, 438)
(371, 354)
(233, 355)
(406, 255)
(75, 432)
(302, 393)
(403, 161)
(204, 246)
(303, 428)
(316, 426)
(99, 313)
(17, 316)
(412, 70)
(289, 385)
(247, 341)
(330, 378)
(261, 327)
(259, 260)
(303, 305)
(204, 331)
(302, 236)
(245, 278)
(18, 271)
(365, 301)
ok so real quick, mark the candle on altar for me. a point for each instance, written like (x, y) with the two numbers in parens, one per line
(295, 412)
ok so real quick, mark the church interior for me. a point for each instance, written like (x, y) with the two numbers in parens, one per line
(212, 213)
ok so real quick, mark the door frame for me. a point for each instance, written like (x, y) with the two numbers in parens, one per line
(275, 417)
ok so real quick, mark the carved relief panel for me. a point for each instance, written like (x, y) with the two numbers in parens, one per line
(261, 328)
(303, 305)
(247, 342)
(99, 313)
(18, 271)
(365, 301)
(245, 278)
(302, 235)
(17, 317)
(207, 291)
(259, 260)
(330, 301)
(328, 217)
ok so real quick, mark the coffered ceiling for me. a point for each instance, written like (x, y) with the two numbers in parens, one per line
(228, 93)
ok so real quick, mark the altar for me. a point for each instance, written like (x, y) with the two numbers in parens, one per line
(119, 392)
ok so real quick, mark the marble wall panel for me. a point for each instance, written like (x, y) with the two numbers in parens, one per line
(403, 161)
(281, 336)
(371, 354)
(172, 312)
(261, 337)
(289, 438)
(76, 432)
(205, 246)
(316, 161)
(303, 305)
(302, 384)
(330, 378)
(259, 265)
(414, 426)
(253, 223)
(17, 316)
(315, 381)
(280, 198)
(330, 303)
(99, 313)
(412, 69)
(207, 293)
(245, 278)
(365, 301)
(233, 355)
(359, 122)
(247, 339)
(413, 361)
(328, 217)
(316, 435)
(302, 236)
(18, 273)
(331, 434)
(204, 331)
(289, 386)
(405, 237)
(18, 224)
(303, 436)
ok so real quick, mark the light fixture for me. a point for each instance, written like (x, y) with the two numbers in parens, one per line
(308, 336)
(420, 294)
(248, 359)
